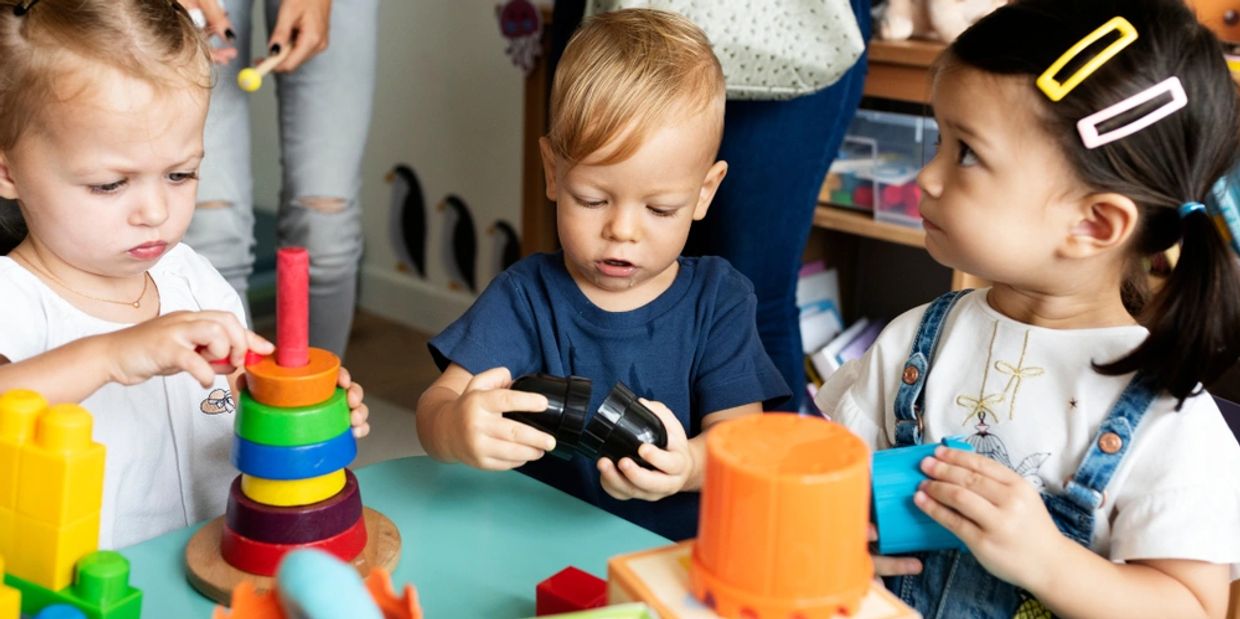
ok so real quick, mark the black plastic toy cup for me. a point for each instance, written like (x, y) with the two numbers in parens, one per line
(619, 428)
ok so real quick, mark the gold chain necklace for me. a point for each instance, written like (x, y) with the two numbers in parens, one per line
(136, 303)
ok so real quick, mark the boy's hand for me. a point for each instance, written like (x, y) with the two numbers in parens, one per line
(475, 431)
(181, 342)
(998, 514)
(359, 413)
(627, 479)
(892, 566)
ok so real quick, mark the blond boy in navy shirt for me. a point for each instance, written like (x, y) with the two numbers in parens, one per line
(637, 115)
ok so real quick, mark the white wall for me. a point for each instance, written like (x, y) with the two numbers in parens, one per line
(448, 103)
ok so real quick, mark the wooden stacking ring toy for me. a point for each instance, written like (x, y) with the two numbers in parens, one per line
(262, 558)
(293, 525)
(292, 427)
(300, 462)
(292, 492)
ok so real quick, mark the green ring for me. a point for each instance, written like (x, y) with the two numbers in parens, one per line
(292, 427)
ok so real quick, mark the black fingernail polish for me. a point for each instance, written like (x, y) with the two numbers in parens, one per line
(228, 34)
(275, 49)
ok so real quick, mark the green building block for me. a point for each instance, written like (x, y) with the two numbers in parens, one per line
(294, 426)
(100, 589)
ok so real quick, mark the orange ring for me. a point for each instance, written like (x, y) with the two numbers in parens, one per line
(310, 384)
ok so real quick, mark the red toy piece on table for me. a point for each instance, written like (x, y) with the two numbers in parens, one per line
(569, 590)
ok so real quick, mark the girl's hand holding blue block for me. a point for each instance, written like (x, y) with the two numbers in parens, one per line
(899, 477)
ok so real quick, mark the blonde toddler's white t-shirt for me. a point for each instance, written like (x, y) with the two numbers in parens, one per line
(168, 439)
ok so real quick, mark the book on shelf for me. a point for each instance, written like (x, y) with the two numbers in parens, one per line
(850, 344)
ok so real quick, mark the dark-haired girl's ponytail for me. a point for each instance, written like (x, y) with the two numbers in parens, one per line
(1194, 319)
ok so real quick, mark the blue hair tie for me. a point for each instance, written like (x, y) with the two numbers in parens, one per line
(1188, 208)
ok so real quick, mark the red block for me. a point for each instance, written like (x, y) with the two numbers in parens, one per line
(292, 307)
(262, 558)
(569, 590)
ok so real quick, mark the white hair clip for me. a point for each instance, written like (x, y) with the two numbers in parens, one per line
(1088, 126)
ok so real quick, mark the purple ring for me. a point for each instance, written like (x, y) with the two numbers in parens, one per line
(294, 525)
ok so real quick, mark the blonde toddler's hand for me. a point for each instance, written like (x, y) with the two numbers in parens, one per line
(475, 431)
(181, 342)
(627, 479)
(359, 413)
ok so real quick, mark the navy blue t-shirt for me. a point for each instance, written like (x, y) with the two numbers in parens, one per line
(695, 348)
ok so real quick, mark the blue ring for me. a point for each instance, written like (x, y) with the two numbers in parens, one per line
(299, 462)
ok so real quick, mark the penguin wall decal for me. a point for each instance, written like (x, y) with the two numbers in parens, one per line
(460, 256)
(507, 245)
(407, 219)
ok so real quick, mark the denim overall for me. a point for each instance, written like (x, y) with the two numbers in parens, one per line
(952, 584)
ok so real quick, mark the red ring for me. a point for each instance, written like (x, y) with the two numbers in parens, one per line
(262, 558)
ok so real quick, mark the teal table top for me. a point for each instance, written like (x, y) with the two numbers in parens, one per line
(473, 543)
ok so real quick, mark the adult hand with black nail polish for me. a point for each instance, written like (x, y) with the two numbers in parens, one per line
(303, 25)
(217, 24)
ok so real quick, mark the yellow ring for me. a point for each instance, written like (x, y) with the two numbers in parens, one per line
(294, 492)
(1056, 90)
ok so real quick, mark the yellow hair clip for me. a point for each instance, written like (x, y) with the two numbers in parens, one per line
(1057, 90)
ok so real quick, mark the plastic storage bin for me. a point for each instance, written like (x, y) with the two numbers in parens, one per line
(876, 168)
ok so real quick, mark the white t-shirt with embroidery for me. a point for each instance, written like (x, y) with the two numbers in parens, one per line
(168, 439)
(1028, 397)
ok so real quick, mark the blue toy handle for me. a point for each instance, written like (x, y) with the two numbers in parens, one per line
(902, 526)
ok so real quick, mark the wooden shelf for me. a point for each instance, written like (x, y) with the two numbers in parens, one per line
(861, 224)
(898, 69)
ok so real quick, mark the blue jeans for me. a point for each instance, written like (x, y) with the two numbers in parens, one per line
(778, 153)
(952, 584)
(324, 110)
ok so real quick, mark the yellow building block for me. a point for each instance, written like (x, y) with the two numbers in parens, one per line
(6, 534)
(60, 477)
(45, 554)
(18, 410)
(10, 598)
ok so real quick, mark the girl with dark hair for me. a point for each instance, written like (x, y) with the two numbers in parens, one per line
(1078, 140)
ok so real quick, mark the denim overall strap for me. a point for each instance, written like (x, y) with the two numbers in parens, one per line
(909, 398)
(1085, 492)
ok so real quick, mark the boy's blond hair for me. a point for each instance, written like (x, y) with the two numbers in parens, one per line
(625, 72)
(151, 40)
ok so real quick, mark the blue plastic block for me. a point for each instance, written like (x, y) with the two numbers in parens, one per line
(316, 585)
(902, 526)
(60, 611)
(300, 462)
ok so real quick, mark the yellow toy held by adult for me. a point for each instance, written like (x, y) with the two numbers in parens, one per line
(250, 79)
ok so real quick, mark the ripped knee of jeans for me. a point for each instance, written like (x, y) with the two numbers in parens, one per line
(214, 204)
(322, 204)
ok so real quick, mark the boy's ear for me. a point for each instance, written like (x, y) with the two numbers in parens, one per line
(8, 189)
(714, 176)
(548, 160)
(1104, 221)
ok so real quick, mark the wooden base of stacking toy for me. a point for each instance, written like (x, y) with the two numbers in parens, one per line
(215, 578)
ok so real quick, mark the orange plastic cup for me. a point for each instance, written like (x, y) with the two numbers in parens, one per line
(782, 531)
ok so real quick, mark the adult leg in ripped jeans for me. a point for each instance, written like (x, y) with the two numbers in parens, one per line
(324, 109)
